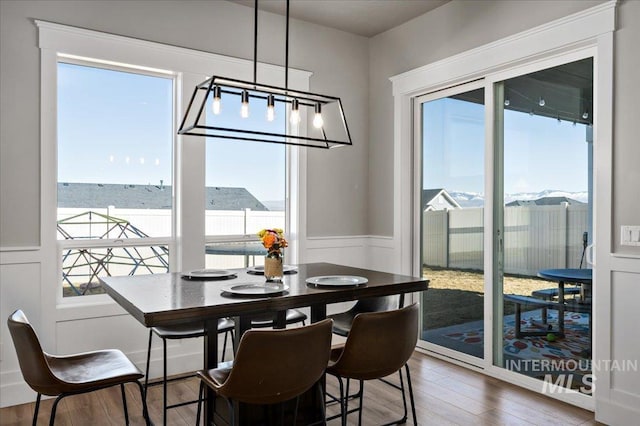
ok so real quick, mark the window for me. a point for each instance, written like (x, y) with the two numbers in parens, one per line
(114, 192)
(245, 187)
(88, 142)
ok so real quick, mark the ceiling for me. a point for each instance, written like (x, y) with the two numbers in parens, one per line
(363, 17)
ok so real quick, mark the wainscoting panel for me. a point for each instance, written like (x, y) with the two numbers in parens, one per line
(19, 289)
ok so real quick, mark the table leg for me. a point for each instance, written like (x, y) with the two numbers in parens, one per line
(318, 312)
(210, 361)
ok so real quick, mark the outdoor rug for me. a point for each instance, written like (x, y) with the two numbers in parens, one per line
(572, 346)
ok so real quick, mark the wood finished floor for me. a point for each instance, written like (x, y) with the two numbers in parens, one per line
(445, 394)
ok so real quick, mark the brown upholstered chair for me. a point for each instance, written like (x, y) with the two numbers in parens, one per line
(186, 331)
(272, 366)
(62, 376)
(342, 321)
(379, 344)
(292, 316)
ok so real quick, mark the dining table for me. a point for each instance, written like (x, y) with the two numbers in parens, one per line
(179, 298)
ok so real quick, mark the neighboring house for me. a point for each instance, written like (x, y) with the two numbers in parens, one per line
(544, 201)
(98, 195)
(438, 199)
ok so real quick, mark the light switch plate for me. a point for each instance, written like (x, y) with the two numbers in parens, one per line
(630, 235)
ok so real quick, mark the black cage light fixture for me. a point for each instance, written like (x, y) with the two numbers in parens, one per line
(329, 126)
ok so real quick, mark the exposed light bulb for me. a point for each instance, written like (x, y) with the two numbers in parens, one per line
(295, 112)
(271, 110)
(507, 102)
(216, 105)
(585, 115)
(244, 108)
(318, 122)
(542, 102)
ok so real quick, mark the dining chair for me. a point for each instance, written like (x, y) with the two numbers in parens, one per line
(175, 332)
(272, 367)
(292, 316)
(62, 376)
(342, 321)
(378, 344)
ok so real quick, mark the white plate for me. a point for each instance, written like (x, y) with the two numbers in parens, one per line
(256, 289)
(337, 280)
(259, 270)
(209, 274)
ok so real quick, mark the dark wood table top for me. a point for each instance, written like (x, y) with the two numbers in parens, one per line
(168, 299)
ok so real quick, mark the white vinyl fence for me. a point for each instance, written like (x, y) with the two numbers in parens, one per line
(157, 222)
(83, 263)
(536, 237)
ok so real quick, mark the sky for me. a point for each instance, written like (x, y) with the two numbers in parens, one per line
(540, 153)
(115, 127)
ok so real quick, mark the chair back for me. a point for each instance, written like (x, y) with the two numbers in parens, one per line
(33, 362)
(379, 344)
(273, 366)
(378, 304)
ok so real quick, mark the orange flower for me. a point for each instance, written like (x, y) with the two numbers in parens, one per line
(273, 240)
(268, 240)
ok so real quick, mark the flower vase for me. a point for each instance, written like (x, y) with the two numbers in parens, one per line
(273, 269)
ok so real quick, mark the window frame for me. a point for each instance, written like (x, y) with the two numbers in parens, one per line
(189, 68)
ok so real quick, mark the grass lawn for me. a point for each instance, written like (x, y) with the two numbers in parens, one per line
(457, 297)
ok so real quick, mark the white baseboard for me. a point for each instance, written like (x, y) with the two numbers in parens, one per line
(611, 413)
(15, 391)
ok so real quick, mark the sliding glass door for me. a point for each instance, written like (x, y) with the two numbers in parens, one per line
(512, 225)
(451, 219)
(543, 205)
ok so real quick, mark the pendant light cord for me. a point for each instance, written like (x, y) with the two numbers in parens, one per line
(255, 47)
(255, 43)
(286, 52)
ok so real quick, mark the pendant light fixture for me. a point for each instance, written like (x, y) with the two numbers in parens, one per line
(329, 126)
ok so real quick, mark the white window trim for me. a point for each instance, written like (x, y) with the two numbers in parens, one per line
(189, 67)
(589, 30)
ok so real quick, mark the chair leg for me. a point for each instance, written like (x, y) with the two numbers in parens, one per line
(52, 419)
(146, 376)
(404, 398)
(124, 404)
(200, 396)
(343, 403)
(361, 399)
(145, 410)
(413, 403)
(404, 418)
(35, 413)
(346, 401)
(164, 382)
